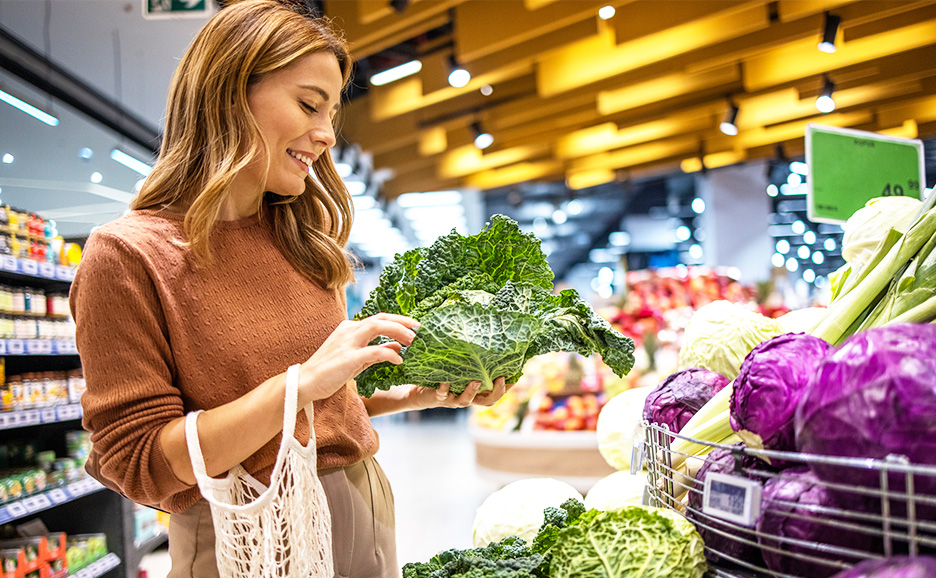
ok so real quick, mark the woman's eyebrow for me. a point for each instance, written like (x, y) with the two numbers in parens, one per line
(320, 91)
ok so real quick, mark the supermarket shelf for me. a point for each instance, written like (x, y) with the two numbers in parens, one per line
(31, 417)
(48, 499)
(34, 270)
(151, 544)
(38, 347)
(98, 567)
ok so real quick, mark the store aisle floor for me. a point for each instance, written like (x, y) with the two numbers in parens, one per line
(429, 459)
(431, 466)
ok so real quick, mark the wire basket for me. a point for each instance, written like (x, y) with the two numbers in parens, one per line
(891, 515)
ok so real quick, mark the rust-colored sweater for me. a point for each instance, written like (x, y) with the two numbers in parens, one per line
(160, 336)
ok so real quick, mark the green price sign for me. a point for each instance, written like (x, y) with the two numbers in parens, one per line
(847, 168)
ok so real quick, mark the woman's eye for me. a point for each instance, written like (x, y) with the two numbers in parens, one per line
(308, 107)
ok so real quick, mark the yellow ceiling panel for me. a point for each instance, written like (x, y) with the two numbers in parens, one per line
(712, 161)
(919, 109)
(801, 59)
(584, 179)
(909, 129)
(467, 159)
(669, 86)
(648, 17)
(383, 30)
(433, 141)
(514, 174)
(483, 28)
(764, 136)
(637, 155)
(607, 136)
(795, 9)
(597, 58)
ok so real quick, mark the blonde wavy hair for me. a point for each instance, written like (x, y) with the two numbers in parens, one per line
(210, 135)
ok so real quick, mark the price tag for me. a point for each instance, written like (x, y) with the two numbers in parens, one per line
(47, 415)
(36, 503)
(65, 347)
(69, 412)
(29, 267)
(7, 419)
(849, 167)
(47, 270)
(15, 347)
(637, 457)
(57, 496)
(30, 417)
(8, 263)
(63, 273)
(732, 498)
(17, 509)
(3, 346)
(33, 346)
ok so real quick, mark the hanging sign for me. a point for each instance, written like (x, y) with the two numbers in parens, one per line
(163, 9)
(847, 168)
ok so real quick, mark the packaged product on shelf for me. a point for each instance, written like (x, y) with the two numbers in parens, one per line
(76, 385)
(78, 444)
(83, 549)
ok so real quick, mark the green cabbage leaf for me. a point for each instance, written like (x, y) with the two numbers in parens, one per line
(485, 307)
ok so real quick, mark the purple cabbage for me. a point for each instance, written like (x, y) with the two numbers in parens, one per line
(723, 461)
(797, 491)
(678, 397)
(874, 396)
(895, 567)
(768, 388)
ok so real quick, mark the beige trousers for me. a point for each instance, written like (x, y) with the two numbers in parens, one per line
(363, 529)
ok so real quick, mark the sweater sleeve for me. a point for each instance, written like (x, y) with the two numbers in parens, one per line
(128, 367)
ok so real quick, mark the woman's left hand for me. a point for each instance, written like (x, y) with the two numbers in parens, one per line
(427, 397)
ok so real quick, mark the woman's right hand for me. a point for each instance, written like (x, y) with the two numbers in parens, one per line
(346, 353)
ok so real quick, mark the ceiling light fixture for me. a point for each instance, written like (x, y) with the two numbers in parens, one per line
(482, 139)
(487, 90)
(7, 159)
(130, 162)
(28, 109)
(396, 73)
(606, 12)
(825, 103)
(458, 76)
(829, 32)
(728, 125)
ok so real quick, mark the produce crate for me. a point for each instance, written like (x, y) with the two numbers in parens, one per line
(887, 507)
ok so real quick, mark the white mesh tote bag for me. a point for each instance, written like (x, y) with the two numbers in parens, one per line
(280, 531)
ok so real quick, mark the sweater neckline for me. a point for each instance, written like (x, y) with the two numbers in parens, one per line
(179, 217)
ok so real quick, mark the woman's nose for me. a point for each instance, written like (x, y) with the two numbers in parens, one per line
(324, 133)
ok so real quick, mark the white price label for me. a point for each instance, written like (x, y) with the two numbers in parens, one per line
(16, 347)
(47, 415)
(58, 496)
(3, 346)
(63, 273)
(36, 503)
(29, 267)
(732, 498)
(31, 417)
(47, 270)
(33, 346)
(17, 509)
(69, 412)
(7, 420)
(8, 263)
(637, 457)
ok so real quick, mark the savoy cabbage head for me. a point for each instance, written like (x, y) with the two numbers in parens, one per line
(485, 307)
(628, 542)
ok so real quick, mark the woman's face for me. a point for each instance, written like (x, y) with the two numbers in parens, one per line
(294, 108)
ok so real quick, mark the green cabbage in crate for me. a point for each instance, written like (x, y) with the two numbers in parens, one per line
(484, 306)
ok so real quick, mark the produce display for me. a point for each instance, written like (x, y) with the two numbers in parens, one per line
(484, 306)
(616, 491)
(571, 542)
(619, 423)
(517, 509)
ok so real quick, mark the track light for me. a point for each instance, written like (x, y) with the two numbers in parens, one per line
(131, 162)
(458, 76)
(28, 109)
(829, 32)
(482, 139)
(825, 103)
(728, 125)
(396, 73)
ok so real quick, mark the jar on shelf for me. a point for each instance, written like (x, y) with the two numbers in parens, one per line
(7, 327)
(38, 302)
(18, 303)
(6, 299)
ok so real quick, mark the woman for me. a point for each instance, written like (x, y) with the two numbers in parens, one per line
(229, 269)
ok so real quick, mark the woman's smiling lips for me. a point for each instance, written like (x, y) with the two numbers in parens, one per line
(303, 158)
